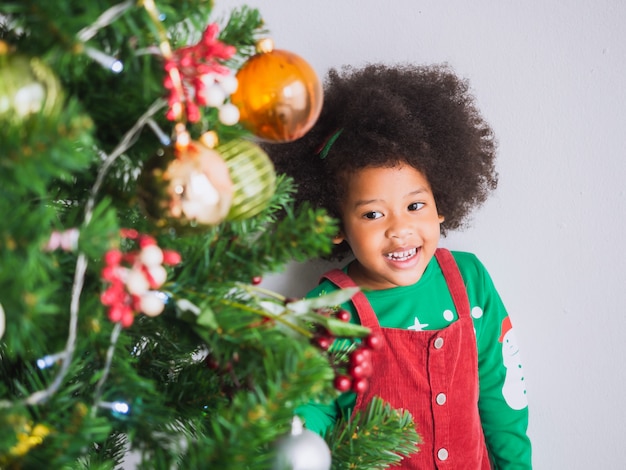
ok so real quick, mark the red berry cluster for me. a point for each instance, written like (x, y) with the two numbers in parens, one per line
(356, 373)
(131, 277)
(185, 71)
(359, 368)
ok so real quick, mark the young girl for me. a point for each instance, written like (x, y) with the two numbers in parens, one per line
(400, 155)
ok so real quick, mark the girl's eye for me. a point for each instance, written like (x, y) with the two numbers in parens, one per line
(415, 206)
(373, 215)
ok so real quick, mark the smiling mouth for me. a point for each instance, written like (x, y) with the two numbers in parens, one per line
(402, 255)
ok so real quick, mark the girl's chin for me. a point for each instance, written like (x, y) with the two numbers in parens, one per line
(392, 273)
(389, 280)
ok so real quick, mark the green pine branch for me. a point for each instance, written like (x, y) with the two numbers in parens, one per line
(375, 438)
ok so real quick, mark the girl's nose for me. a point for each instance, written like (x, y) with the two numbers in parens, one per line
(398, 228)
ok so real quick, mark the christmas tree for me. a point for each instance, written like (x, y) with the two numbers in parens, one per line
(140, 214)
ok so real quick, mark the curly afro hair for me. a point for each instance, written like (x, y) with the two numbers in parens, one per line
(381, 115)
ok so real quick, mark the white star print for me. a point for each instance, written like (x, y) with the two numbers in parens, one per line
(417, 326)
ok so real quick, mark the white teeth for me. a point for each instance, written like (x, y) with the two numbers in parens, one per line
(401, 255)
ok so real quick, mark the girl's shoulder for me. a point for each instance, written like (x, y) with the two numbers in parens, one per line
(477, 279)
(469, 264)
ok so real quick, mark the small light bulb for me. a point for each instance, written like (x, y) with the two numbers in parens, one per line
(116, 406)
(49, 360)
(117, 66)
(120, 407)
(107, 61)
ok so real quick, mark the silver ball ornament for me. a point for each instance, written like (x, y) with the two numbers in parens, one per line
(302, 450)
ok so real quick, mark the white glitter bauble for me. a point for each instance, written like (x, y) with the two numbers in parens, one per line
(152, 304)
(228, 114)
(136, 282)
(215, 96)
(229, 84)
(151, 255)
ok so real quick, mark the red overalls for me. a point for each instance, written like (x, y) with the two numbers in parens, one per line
(434, 375)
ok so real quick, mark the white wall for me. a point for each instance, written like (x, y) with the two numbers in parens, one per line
(550, 78)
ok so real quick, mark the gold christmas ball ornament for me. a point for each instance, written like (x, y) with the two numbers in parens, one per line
(187, 187)
(279, 94)
(27, 87)
(253, 176)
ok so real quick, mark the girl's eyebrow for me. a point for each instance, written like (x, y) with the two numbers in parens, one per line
(364, 202)
(418, 191)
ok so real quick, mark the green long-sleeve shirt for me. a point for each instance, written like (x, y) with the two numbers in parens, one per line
(427, 305)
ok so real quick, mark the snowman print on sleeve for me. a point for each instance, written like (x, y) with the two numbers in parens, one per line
(514, 388)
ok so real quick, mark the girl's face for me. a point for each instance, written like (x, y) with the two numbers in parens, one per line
(391, 223)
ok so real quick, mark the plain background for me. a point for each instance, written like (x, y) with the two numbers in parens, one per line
(550, 78)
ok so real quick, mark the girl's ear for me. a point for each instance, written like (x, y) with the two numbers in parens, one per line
(337, 239)
(441, 219)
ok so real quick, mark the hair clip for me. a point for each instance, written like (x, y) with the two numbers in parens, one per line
(325, 148)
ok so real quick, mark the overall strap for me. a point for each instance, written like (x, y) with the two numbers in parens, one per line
(362, 305)
(454, 280)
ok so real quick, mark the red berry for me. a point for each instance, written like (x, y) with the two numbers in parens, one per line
(115, 313)
(193, 113)
(169, 64)
(129, 233)
(368, 369)
(344, 315)
(373, 341)
(256, 280)
(201, 92)
(343, 383)
(146, 240)
(113, 295)
(171, 257)
(212, 363)
(186, 60)
(171, 115)
(127, 319)
(360, 355)
(113, 257)
(360, 385)
(108, 273)
(324, 342)
(135, 302)
(357, 371)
